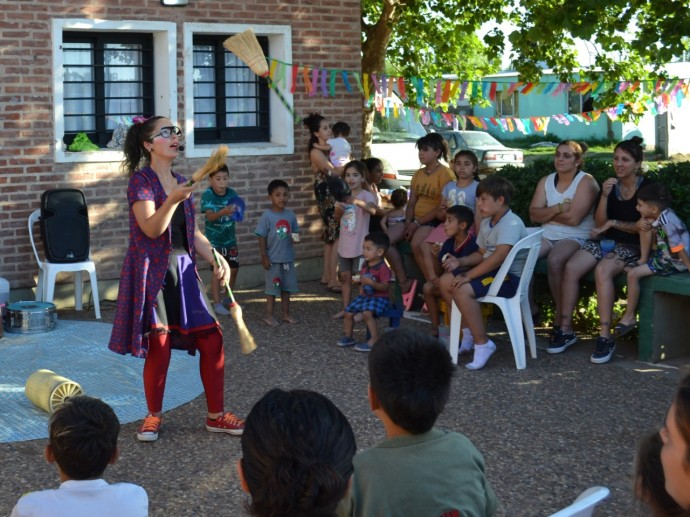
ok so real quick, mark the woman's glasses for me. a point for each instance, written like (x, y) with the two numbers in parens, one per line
(167, 132)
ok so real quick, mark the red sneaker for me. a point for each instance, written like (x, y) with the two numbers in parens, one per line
(228, 423)
(148, 430)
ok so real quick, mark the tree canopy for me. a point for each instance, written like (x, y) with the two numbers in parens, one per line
(633, 39)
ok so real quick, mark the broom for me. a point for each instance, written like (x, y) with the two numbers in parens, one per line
(246, 47)
(247, 344)
(214, 162)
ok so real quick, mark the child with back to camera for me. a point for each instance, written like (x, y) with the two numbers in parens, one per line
(277, 229)
(82, 443)
(354, 214)
(217, 206)
(395, 215)
(452, 259)
(669, 253)
(374, 279)
(297, 451)
(417, 470)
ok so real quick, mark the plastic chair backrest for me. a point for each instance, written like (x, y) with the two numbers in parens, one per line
(584, 505)
(531, 242)
(34, 217)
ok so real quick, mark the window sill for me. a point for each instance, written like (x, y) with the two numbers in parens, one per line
(241, 149)
(104, 155)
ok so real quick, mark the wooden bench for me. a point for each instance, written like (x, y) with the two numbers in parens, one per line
(664, 314)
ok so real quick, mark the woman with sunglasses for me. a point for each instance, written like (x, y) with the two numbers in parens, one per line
(161, 303)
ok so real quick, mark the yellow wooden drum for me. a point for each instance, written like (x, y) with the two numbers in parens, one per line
(48, 390)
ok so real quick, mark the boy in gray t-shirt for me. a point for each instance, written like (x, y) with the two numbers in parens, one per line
(278, 230)
(499, 231)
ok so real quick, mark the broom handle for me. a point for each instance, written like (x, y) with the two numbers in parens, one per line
(273, 87)
(227, 285)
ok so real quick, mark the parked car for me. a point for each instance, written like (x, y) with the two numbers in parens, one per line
(393, 143)
(491, 153)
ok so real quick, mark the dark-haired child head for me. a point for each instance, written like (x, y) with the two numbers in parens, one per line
(435, 142)
(341, 129)
(82, 438)
(459, 219)
(653, 199)
(297, 451)
(278, 193)
(493, 196)
(409, 379)
(375, 246)
(399, 198)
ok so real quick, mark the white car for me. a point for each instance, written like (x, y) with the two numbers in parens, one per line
(393, 143)
(491, 153)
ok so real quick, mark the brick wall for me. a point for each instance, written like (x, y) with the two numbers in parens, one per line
(324, 34)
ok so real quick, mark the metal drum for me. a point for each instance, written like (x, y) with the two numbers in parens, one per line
(30, 317)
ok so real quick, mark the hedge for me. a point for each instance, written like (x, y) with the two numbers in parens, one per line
(675, 175)
(525, 179)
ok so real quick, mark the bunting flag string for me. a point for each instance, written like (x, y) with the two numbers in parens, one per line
(526, 126)
(377, 89)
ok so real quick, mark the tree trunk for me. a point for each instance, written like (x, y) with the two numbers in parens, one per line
(374, 59)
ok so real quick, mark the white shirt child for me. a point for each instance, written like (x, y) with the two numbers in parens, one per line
(85, 498)
(341, 150)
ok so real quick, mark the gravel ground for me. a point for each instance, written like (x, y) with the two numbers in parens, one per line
(547, 432)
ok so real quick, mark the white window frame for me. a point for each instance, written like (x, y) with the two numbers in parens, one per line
(165, 86)
(282, 134)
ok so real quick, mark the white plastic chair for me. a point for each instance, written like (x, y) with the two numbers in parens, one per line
(584, 505)
(510, 307)
(47, 272)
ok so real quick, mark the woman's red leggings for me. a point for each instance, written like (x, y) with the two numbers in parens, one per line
(211, 368)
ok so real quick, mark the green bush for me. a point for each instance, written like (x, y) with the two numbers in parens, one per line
(675, 175)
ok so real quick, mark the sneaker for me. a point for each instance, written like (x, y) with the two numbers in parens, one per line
(228, 423)
(148, 430)
(346, 341)
(220, 310)
(561, 342)
(604, 350)
(363, 347)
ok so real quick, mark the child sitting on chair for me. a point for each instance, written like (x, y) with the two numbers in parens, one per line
(395, 215)
(373, 292)
(452, 259)
(499, 231)
(669, 254)
(82, 443)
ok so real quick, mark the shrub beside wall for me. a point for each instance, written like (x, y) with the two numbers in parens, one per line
(675, 175)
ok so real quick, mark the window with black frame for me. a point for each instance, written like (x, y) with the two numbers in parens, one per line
(108, 79)
(230, 102)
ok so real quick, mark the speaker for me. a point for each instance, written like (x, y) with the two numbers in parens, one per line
(65, 225)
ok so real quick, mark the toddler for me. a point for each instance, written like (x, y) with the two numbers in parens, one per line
(277, 229)
(669, 254)
(395, 215)
(373, 292)
(338, 148)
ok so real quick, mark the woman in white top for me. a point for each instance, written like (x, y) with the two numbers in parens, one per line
(563, 204)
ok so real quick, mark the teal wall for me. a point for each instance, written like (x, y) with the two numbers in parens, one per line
(540, 105)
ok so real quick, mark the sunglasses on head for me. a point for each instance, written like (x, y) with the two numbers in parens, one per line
(167, 132)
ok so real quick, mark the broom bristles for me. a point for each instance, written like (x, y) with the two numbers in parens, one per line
(247, 344)
(214, 162)
(247, 48)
